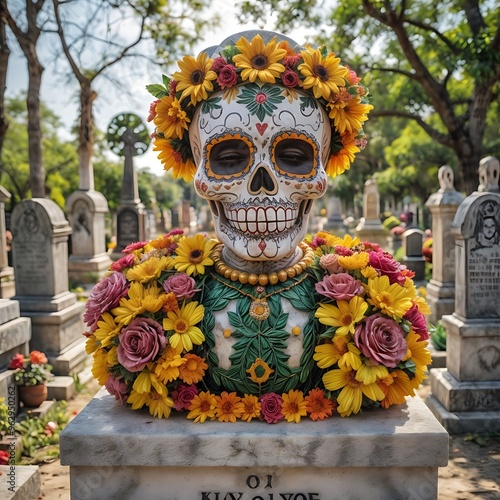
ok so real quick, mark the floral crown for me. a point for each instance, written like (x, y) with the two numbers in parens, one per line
(337, 88)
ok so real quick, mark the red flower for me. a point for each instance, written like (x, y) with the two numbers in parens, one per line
(16, 362)
(271, 407)
(261, 98)
(4, 458)
(227, 76)
(38, 358)
(218, 64)
(290, 78)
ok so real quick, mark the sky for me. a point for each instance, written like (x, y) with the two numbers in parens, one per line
(60, 91)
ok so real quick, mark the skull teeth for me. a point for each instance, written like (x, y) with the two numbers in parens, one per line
(260, 220)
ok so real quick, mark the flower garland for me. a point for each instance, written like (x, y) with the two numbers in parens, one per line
(315, 71)
(148, 326)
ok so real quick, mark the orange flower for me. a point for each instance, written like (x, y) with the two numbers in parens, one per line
(228, 407)
(251, 408)
(318, 406)
(294, 406)
(170, 303)
(259, 371)
(396, 386)
(38, 358)
(193, 370)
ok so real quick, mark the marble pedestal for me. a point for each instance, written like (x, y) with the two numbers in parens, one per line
(114, 452)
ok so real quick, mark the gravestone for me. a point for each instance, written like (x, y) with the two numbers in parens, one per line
(335, 222)
(443, 206)
(7, 285)
(370, 228)
(40, 253)
(128, 137)
(466, 394)
(413, 258)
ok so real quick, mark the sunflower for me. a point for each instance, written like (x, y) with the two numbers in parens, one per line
(183, 322)
(259, 61)
(352, 391)
(322, 74)
(260, 371)
(172, 160)
(294, 406)
(344, 317)
(195, 77)
(349, 115)
(171, 120)
(228, 407)
(251, 408)
(193, 370)
(193, 254)
(341, 161)
(392, 300)
(318, 406)
(202, 406)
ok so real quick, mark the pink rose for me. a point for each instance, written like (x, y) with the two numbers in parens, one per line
(339, 286)
(183, 396)
(227, 76)
(290, 78)
(125, 261)
(181, 285)
(330, 263)
(386, 265)
(218, 64)
(134, 246)
(418, 323)
(117, 388)
(270, 408)
(381, 340)
(140, 343)
(104, 296)
(317, 242)
(261, 98)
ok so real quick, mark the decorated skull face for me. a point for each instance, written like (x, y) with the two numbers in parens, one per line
(260, 152)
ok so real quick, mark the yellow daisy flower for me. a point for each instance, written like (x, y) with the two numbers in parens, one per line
(351, 360)
(100, 366)
(369, 272)
(351, 395)
(251, 408)
(193, 254)
(147, 381)
(183, 322)
(328, 354)
(91, 344)
(368, 373)
(202, 407)
(294, 406)
(149, 269)
(259, 61)
(323, 75)
(195, 77)
(166, 367)
(260, 371)
(349, 116)
(140, 299)
(392, 300)
(344, 317)
(112, 357)
(228, 407)
(422, 304)
(106, 330)
(357, 260)
(341, 161)
(171, 120)
(159, 405)
(420, 355)
(396, 386)
(172, 160)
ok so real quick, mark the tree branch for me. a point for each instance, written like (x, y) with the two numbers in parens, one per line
(427, 27)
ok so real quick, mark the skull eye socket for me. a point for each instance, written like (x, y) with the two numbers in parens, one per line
(228, 158)
(295, 156)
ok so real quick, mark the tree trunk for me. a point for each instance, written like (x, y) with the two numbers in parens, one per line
(86, 138)
(4, 60)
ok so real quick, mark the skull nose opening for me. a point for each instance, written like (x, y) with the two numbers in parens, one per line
(262, 182)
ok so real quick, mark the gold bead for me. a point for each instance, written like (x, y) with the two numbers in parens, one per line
(273, 278)
(243, 278)
(263, 279)
(296, 330)
(221, 268)
(235, 275)
(227, 333)
(227, 272)
(253, 279)
(282, 275)
(298, 268)
(290, 271)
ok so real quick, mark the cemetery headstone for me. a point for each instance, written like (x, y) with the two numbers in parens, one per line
(128, 137)
(466, 394)
(40, 254)
(413, 258)
(7, 286)
(443, 206)
(370, 228)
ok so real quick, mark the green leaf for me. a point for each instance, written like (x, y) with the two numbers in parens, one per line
(157, 90)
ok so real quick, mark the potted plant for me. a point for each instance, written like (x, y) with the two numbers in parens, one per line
(31, 375)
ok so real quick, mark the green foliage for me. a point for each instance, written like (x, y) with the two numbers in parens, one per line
(39, 432)
(4, 417)
(438, 336)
